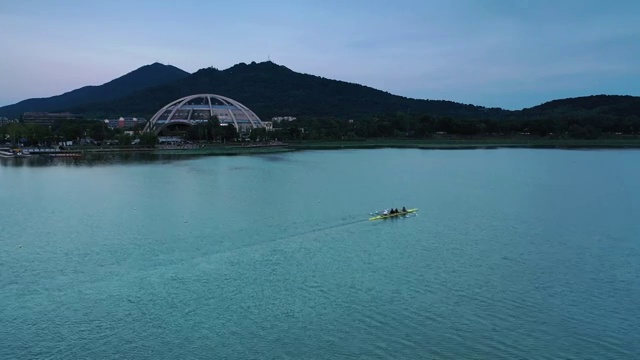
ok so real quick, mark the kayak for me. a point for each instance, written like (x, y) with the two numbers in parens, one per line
(380, 217)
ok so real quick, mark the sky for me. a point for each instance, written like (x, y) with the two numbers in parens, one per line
(511, 54)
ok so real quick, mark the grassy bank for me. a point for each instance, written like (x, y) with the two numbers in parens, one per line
(468, 144)
(444, 144)
(222, 150)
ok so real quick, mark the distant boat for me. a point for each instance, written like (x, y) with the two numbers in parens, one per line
(400, 213)
(13, 153)
(63, 154)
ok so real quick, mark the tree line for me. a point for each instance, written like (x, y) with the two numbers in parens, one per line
(69, 130)
(396, 125)
(403, 125)
(211, 130)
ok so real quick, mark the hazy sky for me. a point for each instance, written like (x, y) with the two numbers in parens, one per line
(504, 53)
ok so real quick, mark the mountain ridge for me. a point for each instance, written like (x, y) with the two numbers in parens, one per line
(272, 89)
(138, 79)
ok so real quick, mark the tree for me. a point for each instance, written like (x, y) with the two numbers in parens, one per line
(15, 132)
(261, 133)
(37, 134)
(125, 139)
(229, 132)
(98, 131)
(490, 126)
(193, 132)
(213, 127)
(149, 139)
(253, 135)
(465, 127)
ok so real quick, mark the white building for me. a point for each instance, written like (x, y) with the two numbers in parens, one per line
(278, 119)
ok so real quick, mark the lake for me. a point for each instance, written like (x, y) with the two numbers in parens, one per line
(514, 253)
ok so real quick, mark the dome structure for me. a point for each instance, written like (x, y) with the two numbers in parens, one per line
(194, 109)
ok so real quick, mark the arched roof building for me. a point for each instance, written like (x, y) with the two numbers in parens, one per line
(194, 109)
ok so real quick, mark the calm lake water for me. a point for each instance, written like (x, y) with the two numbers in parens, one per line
(514, 254)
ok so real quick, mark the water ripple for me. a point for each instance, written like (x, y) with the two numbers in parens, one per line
(513, 256)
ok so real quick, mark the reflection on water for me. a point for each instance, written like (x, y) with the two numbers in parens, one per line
(95, 159)
(275, 158)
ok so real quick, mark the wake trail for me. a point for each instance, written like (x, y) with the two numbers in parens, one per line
(321, 229)
(286, 237)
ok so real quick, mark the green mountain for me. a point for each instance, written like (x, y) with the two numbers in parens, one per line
(586, 106)
(274, 90)
(141, 78)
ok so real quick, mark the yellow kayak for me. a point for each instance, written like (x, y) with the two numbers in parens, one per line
(380, 217)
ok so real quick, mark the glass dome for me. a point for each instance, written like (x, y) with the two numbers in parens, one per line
(191, 110)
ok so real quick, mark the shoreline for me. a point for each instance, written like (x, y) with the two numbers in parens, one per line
(246, 149)
(470, 144)
(231, 150)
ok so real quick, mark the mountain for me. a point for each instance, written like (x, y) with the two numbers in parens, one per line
(618, 106)
(141, 78)
(274, 90)
(271, 90)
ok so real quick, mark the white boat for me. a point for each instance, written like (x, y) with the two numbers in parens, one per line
(13, 153)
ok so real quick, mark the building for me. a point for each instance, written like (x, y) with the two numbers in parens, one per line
(5, 121)
(124, 122)
(278, 119)
(196, 109)
(48, 119)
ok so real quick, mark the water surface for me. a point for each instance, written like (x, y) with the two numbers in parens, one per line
(514, 254)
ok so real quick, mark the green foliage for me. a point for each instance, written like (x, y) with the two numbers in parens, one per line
(98, 130)
(209, 131)
(229, 133)
(399, 125)
(125, 139)
(253, 136)
(214, 122)
(148, 139)
(30, 134)
(336, 110)
(258, 134)
(196, 132)
(67, 130)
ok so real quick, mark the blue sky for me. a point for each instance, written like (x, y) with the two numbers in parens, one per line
(503, 53)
